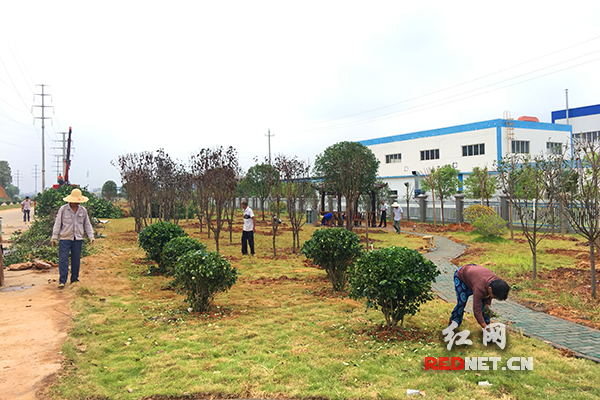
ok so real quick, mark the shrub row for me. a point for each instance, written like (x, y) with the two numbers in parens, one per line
(198, 273)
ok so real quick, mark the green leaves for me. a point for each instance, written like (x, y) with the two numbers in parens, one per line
(395, 280)
(154, 237)
(200, 275)
(334, 250)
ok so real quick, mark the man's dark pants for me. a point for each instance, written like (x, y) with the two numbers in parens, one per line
(383, 219)
(247, 238)
(26, 215)
(64, 248)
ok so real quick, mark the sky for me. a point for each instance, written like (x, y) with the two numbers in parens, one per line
(132, 76)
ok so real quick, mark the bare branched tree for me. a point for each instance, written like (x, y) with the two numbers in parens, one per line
(523, 180)
(137, 176)
(577, 188)
(296, 189)
(216, 172)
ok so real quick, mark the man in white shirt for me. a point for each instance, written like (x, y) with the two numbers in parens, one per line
(397, 211)
(383, 210)
(72, 221)
(26, 208)
(249, 229)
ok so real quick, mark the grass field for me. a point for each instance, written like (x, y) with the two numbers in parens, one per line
(278, 333)
(563, 285)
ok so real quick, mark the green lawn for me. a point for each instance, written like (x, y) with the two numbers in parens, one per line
(278, 333)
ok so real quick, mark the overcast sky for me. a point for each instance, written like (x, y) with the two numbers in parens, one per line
(130, 76)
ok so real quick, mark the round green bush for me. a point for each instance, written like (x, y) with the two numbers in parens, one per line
(395, 280)
(334, 250)
(154, 237)
(490, 225)
(200, 275)
(477, 210)
(174, 249)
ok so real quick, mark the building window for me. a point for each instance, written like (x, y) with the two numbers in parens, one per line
(587, 136)
(430, 154)
(473, 150)
(520, 146)
(554, 147)
(393, 158)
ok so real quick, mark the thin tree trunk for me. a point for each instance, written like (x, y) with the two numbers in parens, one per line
(593, 268)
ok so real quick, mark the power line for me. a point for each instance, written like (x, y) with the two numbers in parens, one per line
(458, 84)
(432, 104)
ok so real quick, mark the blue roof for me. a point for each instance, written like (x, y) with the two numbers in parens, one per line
(576, 112)
(495, 123)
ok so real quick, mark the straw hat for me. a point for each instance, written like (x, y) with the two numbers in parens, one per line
(395, 204)
(75, 197)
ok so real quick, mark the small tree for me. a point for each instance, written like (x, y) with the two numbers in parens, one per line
(348, 168)
(216, 176)
(395, 280)
(260, 179)
(428, 183)
(446, 183)
(109, 190)
(296, 187)
(523, 181)
(174, 249)
(481, 185)
(334, 250)
(154, 237)
(578, 190)
(200, 275)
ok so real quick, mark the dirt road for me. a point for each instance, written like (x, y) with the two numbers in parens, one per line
(12, 220)
(34, 321)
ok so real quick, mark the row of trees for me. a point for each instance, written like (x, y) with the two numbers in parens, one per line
(158, 188)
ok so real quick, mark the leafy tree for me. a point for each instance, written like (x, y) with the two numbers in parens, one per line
(51, 200)
(12, 192)
(481, 185)
(446, 183)
(5, 174)
(523, 180)
(348, 168)
(109, 190)
(260, 178)
(395, 280)
(200, 275)
(334, 250)
(154, 237)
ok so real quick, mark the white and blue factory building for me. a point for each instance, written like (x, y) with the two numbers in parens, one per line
(405, 157)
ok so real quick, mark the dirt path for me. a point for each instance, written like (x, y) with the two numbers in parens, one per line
(34, 322)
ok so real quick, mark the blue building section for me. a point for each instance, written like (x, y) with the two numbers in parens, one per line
(576, 112)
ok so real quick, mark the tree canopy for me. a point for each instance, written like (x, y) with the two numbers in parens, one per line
(347, 168)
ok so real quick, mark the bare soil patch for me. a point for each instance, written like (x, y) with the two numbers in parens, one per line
(384, 333)
(468, 255)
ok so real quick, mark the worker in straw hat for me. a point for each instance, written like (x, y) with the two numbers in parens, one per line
(397, 211)
(72, 221)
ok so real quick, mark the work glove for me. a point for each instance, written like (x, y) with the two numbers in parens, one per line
(53, 242)
(92, 240)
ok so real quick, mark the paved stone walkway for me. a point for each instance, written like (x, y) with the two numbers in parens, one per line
(560, 333)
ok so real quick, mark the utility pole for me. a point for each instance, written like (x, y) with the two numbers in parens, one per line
(567, 99)
(35, 176)
(269, 136)
(43, 118)
(18, 176)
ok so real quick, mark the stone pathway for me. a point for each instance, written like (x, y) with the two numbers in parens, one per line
(560, 333)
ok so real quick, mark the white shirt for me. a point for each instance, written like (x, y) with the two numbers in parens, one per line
(398, 213)
(384, 207)
(26, 204)
(70, 225)
(248, 222)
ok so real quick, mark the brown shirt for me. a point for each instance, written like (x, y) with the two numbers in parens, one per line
(477, 278)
